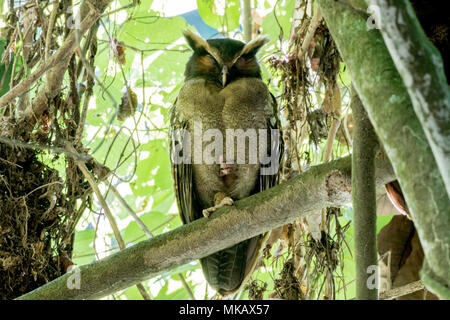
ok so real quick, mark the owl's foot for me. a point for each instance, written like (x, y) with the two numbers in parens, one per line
(220, 200)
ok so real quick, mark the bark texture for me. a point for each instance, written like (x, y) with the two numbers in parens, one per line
(365, 146)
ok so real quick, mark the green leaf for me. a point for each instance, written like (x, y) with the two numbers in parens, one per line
(131, 33)
(133, 233)
(157, 221)
(6, 70)
(162, 294)
(116, 153)
(163, 200)
(224, 20)
(383, 221)
(279, 20)
(132, 293)
(179, 294)
(155, 169)
(344, 76)
(83, 252)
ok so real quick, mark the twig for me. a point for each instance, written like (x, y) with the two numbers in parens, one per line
(16, 143)
(91, 73)
(140, 223)
(5, 72)
(317, 19)
(402, 291)
(11, 81)
(118, 9)
(331, 137)
(186, 286)
(11, 163)
(90, 178)
(43, 186)
(48, 38)
(247, 21)
(335, 105)
(7, 186)
(59, 58)
(348, 137)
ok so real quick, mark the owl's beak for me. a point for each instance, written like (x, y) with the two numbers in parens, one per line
(224, 75)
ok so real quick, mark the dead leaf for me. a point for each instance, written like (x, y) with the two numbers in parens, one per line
(119, 50)
(128, 105)
(395, 194)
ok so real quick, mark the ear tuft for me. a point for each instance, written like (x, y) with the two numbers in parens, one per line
(194, 40)
(254, 45)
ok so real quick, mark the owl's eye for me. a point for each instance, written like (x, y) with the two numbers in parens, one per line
(208, 60)
(240, 63)
(206, 64)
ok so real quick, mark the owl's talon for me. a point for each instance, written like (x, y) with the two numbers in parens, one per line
(226, 201)
(206, 212)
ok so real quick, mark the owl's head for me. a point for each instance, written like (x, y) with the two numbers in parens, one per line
(222, 60)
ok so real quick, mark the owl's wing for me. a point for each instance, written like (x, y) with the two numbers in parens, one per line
(275, 148)
(181, 171)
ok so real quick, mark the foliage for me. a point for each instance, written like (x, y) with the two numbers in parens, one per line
(141, 57)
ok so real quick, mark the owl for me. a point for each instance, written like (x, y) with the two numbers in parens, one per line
(224, 128)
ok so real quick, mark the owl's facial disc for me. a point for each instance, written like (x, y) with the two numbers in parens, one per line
(222, 60)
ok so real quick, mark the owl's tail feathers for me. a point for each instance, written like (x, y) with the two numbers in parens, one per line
(229, 269)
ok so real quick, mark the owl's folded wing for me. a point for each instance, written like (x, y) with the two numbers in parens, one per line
(274, 148)
(182, 174)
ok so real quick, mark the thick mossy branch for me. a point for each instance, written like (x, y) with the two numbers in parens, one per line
(321, 186)
(390, 110)
(365, 146)
(421, 67)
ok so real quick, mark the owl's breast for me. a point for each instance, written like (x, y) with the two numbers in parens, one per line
(243, 104)
(247, 104)
(200, 101)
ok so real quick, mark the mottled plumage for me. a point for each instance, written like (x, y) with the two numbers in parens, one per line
(222, 90)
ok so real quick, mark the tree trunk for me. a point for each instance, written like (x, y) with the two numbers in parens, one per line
(390, 110)
(365, 146)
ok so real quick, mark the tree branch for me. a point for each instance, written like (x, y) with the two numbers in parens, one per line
(422, 70)
(365, 147)
(247, 20)
(390, 110)
(321, 186)
(316, 20)
(402, 291)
